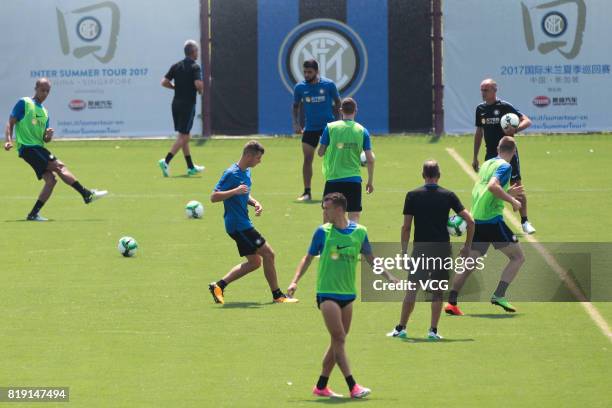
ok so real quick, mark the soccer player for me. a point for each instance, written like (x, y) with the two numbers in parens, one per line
(30, 122)
(234, 189)
(428, 207)
(187, 77)
(338, 243)
(320, 100)
(341, 145)
(490, 191)
(488, 115)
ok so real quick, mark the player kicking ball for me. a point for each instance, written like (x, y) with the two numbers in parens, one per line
(234, 189)
(339, 243)
(29, 121)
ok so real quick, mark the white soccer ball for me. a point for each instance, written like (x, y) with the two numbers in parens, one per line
(127, 246)
(456, 225)
(194, 209)
(363, 159)
(509, 120)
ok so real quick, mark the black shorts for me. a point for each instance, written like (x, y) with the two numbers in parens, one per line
(248, 241)
(38, 157)
(312, 137)
(515, 163)
(350, 190)
(183, 114)
(340, 302)
(497, 234)
(433, 268)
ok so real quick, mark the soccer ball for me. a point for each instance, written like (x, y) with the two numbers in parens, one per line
(127, 246)
(456, 225)
(194, 209)
(363, 159)
(509, 120)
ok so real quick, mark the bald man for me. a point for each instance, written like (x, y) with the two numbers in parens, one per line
(488, 115)
(29, 121)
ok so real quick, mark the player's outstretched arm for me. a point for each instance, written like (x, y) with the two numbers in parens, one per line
(300, 271)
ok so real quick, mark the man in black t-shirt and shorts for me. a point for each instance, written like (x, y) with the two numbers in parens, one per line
(185, 78)
(429, 207)
(488, 115)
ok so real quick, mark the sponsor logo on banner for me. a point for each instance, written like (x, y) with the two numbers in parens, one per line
(555, 25)
(565, 101)
(338, 49)
(89, 30)
(541, 101)
(100, 104)
(77, 104)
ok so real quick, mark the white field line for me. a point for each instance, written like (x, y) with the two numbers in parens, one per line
(590, 309)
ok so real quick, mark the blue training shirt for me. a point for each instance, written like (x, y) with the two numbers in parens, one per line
(503, 173)
(236, 215)
(19, 110)
(318, 240)
(318, 102)
(367, 145)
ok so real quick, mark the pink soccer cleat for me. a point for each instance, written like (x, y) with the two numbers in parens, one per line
(325, 392)
(360, 392)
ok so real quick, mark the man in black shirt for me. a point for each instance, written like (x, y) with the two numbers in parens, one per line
(187, 77)
(429, 207)
(488, 115)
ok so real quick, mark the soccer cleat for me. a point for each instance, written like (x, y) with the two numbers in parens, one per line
(360, 392)
(325, 392)
(305, 197)
(528, 228)
(453, 310)
(216, 292)
(164, 167)
(195, 170)
(503, 302)
(285, 299)
(95, 195)
(434, 336)
(402, 334)
(36, 217)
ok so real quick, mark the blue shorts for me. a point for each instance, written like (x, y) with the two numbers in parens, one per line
(340, 300)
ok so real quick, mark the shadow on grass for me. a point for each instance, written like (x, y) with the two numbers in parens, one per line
(335, 401)
(63, 220)
(185, 176)
(200, 141)
(425, 340)
(494, 315)
(242, 305)
(307, 202)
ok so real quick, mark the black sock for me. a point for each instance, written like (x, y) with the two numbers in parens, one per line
(82, 190)
(189, 162)
(524, 220)
(222, 284)
(169, 157)
(307, 191)
(322, 383)
(39, 204)
(350, 381)
(501, 289)
(276, 293)
(434, 329)
(399, 327)
(452, 297)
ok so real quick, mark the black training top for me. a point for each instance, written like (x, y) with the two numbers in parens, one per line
(430, 206)
(184, 73)
(488, 118)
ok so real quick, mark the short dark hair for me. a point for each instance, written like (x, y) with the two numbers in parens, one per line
(190, 46)
(506, 144)
(253, 147)
(348, 106)
(311, 63)
(337, 200)
(431, 169)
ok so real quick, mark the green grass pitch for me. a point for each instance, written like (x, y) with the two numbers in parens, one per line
(143, 331)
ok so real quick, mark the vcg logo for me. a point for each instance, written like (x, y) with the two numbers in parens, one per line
(554, 25)
(339, 50)
(90, 30)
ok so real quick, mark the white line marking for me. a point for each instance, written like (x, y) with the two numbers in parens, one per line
(590, 309)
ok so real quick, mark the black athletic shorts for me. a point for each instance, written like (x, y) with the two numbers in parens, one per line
(183, 114)
(38, 157)
(515, 163)
(312, 137)
(248, 241)
(433, 258)
(350, 190)
(340, 302)
(497, 234)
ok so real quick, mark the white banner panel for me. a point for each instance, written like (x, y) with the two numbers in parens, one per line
(551, 60)
(105, 60)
